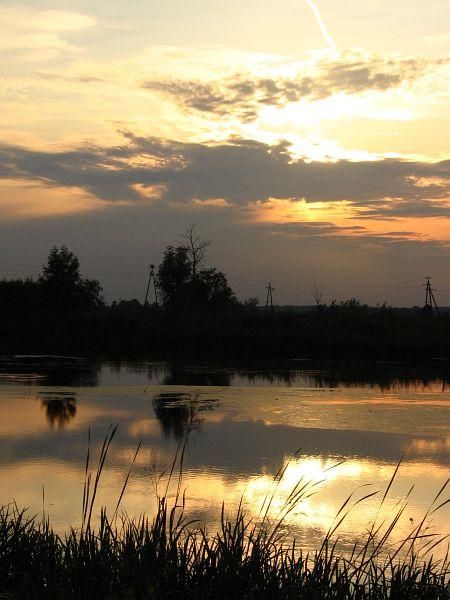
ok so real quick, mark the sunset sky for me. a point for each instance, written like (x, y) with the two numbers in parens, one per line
(309, 141)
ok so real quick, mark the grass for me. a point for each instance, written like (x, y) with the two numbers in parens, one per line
(171, 557)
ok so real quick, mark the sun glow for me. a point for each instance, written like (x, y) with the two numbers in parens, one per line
(277, 210)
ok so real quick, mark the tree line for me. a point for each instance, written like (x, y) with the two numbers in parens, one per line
(198, 315)
(182, 282)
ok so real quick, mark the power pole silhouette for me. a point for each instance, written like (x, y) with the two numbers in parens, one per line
(269, 298)
(151, 278)
(430, 300)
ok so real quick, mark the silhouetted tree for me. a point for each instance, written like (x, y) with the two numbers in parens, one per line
(174, 276)
(195, 249)
(317, 292)
(62, 282)
(212, 289)
(181, 283)
(62, 268)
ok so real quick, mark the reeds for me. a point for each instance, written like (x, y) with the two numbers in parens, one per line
(171, 557)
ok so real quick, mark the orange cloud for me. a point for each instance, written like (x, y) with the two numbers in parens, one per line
(22, 200)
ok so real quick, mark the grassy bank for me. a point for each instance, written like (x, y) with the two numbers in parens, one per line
(344, 332)
(172, 557)
(136, 559)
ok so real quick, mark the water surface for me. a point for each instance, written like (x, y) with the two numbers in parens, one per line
(344, 426)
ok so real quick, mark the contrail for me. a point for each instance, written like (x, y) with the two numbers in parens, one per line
(327, 37)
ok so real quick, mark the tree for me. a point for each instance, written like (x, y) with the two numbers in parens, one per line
(317, 292)
(63, 285)
(182, 284)
(174, 275)
(213, 289)
(195, 249)
(62, 269)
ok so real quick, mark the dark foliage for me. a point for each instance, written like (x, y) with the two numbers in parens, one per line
(63, 313)
(185, 288)
(226, 329)
(63, 287)
(142, 560)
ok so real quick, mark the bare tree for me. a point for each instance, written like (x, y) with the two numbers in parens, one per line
(195, 248)
(317, 292)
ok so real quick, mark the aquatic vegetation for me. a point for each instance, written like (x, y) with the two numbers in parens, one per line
(170, 556)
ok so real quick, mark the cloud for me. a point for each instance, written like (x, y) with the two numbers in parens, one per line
(39, 35)
(349, 73)
(28, 200)
(324, 229)
(398, 208)
(238, 172)
(67, 78)
(305, 229)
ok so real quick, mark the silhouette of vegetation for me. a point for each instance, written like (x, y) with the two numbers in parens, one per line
(170, 556)
(179, 374)
(63, 313)
(66, 371)
(184, 286)
(195, 248)
(62, 284)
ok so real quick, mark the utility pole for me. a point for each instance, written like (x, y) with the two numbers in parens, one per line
(151, 278)
(269, 298)
(430, 300)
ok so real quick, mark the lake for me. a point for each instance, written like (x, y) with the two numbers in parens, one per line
(343, 428)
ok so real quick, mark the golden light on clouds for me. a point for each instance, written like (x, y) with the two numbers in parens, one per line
(293, 210)
(76, 80)
(22, 200)
(38, 36)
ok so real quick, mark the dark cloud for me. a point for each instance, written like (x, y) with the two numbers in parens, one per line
(245, 95)
(397, 208)
(314, 228)
(324, 229)
(239, 171)
(115, 245)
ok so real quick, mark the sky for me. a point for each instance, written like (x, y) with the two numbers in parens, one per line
(307, 140)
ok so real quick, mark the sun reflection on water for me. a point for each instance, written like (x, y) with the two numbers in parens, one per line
(350, 441)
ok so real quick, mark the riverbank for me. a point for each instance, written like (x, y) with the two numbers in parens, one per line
(135, 559)
(129, 330)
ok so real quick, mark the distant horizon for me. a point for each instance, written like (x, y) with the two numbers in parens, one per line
(416, 291)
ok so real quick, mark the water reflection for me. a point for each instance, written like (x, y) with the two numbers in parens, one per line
(48, 370)
(176, 412)
(241, 436)
(59, 409)
(173, 418)
(75, 372)
(385, 376)
(183, 375)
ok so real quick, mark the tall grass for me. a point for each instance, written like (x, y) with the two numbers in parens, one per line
(171, 557)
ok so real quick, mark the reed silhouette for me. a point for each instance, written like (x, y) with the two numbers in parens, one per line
(170, 556)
